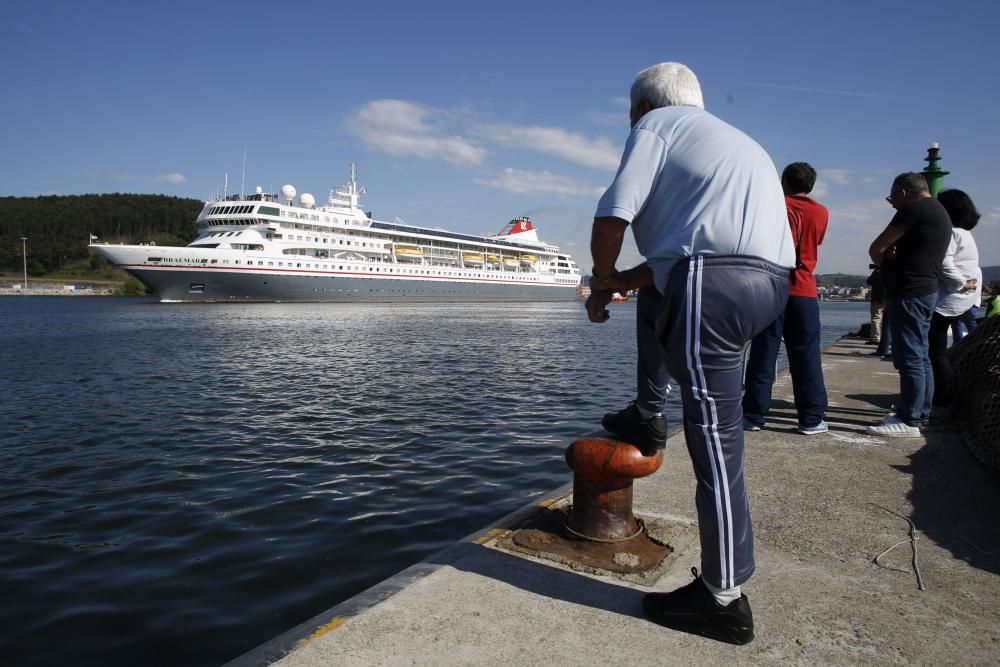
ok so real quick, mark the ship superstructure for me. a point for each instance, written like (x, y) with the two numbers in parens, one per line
(262, 247)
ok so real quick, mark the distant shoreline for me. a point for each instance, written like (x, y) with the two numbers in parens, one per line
(65, 285)
(62, 290)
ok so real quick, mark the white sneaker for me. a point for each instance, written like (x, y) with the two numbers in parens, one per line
(821, 427)
(894, 427)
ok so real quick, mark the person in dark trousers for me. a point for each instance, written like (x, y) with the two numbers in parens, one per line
(958, 288)
(799, 324)
(910, 251)
(642, 421)
(876, 308)
(885, 329)
(706, 209)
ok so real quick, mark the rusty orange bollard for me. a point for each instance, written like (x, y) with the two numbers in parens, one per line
(603, 470)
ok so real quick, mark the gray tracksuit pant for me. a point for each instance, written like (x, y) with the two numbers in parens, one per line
(712, 306)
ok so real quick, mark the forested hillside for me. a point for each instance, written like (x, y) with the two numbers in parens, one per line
(58, 227)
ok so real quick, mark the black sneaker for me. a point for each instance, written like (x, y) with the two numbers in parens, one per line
(693, 609)
(649, 435)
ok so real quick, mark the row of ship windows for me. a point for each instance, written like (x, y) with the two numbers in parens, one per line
(197, 288)
(449, 235)
(236, 210)
(245, 222)
(329, 267)
(414, 292)
(316, 239)
(243, 210)
(363, 244)
(230, 210)
(295, 237)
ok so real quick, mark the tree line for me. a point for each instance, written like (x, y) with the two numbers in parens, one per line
(840, 280)
(58, 228)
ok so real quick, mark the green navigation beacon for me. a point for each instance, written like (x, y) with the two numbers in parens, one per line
(933, 173)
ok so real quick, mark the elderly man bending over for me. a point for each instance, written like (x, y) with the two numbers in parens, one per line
(707, 211)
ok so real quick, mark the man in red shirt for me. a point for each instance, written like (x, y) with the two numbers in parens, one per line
(799, 324)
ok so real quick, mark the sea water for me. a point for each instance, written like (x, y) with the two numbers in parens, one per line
(182, 482)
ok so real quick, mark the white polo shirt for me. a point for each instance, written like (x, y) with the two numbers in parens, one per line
(691, 184)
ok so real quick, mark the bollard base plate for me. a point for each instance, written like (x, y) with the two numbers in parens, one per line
(546, 536)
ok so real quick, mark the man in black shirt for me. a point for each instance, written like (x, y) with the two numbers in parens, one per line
(909, 252)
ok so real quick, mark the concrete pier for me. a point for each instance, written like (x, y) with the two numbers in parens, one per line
(824, 508)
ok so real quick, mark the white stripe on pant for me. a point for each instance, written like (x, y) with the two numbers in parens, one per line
(711, 307)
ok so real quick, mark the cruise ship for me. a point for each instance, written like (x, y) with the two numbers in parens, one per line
(260, 247)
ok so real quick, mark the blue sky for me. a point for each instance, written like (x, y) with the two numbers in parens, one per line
(463, 115)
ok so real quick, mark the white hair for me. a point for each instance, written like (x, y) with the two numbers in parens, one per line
(667, 85)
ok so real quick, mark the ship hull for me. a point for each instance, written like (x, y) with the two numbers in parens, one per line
(234, 286)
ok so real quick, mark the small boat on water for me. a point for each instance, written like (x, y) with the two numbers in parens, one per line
(262, 247)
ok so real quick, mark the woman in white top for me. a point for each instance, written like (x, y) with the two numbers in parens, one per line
(957, 288)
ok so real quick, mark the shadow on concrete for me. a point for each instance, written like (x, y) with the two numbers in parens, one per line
(881, 401)
(956, 501)
(780, 404)
(828, 353)
(783, 413)
(549, 581)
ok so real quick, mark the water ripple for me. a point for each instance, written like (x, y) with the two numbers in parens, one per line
(179, 483)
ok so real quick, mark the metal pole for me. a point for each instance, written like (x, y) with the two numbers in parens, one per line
(24, 255)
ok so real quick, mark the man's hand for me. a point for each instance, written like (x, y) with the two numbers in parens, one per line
(614, 282)
(597, 304)
(970, 286)
(883, 247)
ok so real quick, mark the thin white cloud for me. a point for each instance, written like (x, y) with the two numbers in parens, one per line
(824, 91)
(616, 118)
(826, 177)
(405, 128)
(173, 178)
(402, 128)
(596, 152)
(838, 176)
(538, 182)
(854, 224)
(608, 118)
(832, 179)
(987, 234)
